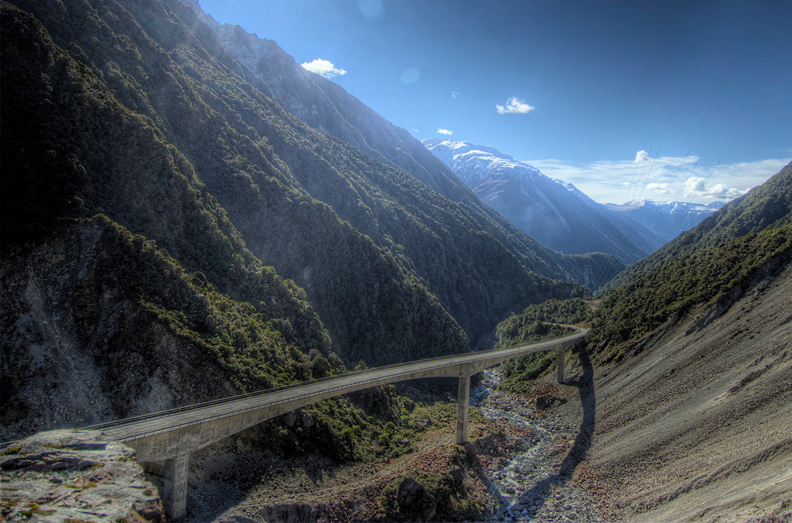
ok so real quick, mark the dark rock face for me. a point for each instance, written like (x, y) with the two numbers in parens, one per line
(415, 501)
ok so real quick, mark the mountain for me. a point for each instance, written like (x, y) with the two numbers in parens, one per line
(553, 212)
(326, 106)
(252, 245)
(666, 219)
(698, 340)
(769, 205)
(698, 336)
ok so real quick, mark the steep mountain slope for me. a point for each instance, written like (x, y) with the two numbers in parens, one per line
(326, 106)
(700, 341)
(769, 205)
(554, 213)
(666, 219)
(319, 211)
(684, 382)
(98, 324)
(705, 432)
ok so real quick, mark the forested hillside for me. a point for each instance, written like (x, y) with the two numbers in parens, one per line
(134, 111)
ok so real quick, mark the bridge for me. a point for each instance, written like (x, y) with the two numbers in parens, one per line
(166, 439)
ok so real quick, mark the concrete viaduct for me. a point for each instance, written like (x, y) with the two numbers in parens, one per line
(167, 438)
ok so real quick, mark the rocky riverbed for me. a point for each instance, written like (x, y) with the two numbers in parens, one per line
(530, 484)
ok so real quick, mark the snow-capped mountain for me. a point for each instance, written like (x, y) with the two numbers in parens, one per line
(554, 212)
(666, 219)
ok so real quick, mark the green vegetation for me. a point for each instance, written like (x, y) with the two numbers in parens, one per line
(687, 284)
(364, 426)
(536, 323)
(258, 245)
(221, 176)
(448, 488)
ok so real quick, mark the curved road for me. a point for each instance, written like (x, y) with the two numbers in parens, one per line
(168, 437)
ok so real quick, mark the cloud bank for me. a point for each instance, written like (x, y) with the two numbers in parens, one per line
(323, 68)
(671, 178)
(514, 105)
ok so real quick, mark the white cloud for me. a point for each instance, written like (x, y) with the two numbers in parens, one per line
(662, 188)
(641, 156)
(454, 94)
(445, 132)
(695, 187)
(514, 105)
(618, 181)
(323, 68)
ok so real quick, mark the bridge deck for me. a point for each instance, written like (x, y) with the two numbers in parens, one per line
(176, 419)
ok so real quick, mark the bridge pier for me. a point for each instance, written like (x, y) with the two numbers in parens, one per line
(560, 365)
(174, 486)
(463, 400)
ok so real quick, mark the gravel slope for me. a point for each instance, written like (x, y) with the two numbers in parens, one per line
(696, 425)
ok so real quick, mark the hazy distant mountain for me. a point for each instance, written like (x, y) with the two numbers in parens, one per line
(764, 207)
(553, 212)
(666, 219)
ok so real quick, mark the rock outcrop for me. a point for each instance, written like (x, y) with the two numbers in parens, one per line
(415, 501)
(70, 475)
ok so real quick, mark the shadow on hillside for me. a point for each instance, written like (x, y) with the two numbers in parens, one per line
(538, 494)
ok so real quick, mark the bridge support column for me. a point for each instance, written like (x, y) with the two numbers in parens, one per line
(560, 368)
(174, 486)
(463, 400)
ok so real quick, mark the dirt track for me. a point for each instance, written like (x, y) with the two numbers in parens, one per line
(696, 425)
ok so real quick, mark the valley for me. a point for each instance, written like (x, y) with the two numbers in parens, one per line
(188, 214)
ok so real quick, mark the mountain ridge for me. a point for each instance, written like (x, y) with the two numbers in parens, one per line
(769, 205)
(554, 212)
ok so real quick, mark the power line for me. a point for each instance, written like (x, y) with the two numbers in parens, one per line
(676, 198)
(677, 173)
(629, 187)
(641, 175)
(706, 179)
(650, 172)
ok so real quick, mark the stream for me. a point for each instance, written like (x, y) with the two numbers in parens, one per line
(529, 484)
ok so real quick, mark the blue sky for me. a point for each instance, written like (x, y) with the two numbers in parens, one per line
(575, 88)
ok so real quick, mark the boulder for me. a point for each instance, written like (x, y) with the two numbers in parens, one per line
(415, 502)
